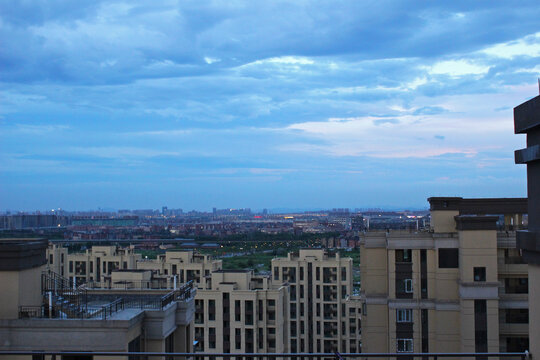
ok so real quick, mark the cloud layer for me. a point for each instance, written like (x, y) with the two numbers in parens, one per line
(261, 104)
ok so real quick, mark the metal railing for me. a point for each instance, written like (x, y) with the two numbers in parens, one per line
(53, 355)
(154, 284)
(69, 310)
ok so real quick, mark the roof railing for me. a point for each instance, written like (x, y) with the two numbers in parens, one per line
(53, 355)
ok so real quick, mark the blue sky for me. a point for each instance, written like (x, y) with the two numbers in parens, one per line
(262, 104)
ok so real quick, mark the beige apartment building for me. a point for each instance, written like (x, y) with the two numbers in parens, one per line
(93, 265)
(43, 312)
(240, 312)
(459, 287)
(183, 265)
(323, 315)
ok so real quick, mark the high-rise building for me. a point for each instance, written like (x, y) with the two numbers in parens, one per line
(320, 287)
(461, 287)
(240, 312)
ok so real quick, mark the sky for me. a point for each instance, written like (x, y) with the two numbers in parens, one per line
(262, 104)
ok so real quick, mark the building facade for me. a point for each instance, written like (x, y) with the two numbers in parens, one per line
(93, 265)
(460, 287)
(45, 313)
(240, 312)
(321, 307)
(186, 265)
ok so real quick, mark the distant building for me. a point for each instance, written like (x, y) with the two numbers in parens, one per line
(95, 264)
(123, 221)
(185, 265)
(31, 221)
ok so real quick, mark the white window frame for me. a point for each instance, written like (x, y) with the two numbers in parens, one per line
(404, 345)
(404, 315)
(408, 286)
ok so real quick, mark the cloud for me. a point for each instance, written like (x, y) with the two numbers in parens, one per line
(457, 68)
(354, 89)
(385, 121)
(526, 46)
(429, 110)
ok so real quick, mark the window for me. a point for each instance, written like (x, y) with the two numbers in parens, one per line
(403, 256)
(71, 266)
(448, 258)
(480, 326)
(276, 273)
(237, 338)
(517, 316)
(516, 285)
(479, 274)
(404, 345)
(408, 285)
(211, 310)
(237, 311)
(80, 267)
(404, 315)
(517, 344)
(50, 259)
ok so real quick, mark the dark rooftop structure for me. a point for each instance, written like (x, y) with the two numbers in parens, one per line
(480, 206)
(19, 254)
(527, 121)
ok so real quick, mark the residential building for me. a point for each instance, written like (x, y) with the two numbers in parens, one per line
(320, 285)
(186, 265)
(45, 313)
(460, 287)
(240, 312)
(95, 264)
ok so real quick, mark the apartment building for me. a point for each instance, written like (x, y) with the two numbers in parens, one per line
(461, 286)
(240, 312)
(186, 265)
(95, 264)
(321, 307)
(43, 312)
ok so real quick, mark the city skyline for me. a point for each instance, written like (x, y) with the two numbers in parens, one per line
(115, 105)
